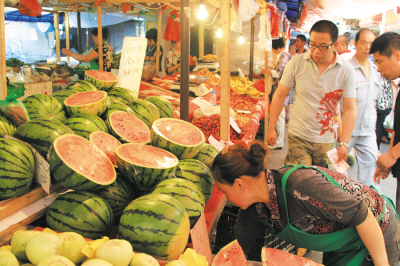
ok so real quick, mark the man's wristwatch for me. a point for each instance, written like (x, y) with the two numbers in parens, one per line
(344, 144)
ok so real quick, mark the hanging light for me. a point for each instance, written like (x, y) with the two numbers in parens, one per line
(202, 13)
(219, 33)
(241, 40)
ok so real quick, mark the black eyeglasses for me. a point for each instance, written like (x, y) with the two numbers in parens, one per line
(321, 47)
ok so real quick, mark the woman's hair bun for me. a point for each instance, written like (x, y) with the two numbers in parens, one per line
(257, 153)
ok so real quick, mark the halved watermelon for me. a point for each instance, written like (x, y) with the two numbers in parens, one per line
(102, 80)
(80, 86)
(128, 128)
(88, 102)
(144, 165)
(273, 256)
(232, 255)
(181, 138)
(106, 143)
(78, 164)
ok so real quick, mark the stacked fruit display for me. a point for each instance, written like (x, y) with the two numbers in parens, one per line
(112, 150)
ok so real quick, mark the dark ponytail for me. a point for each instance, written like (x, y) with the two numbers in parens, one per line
(236, 161)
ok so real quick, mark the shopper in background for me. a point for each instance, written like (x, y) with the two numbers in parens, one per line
(300, 44)
(384, 105)
(309, 207)
(93, 56)
(320, 79)
(350, 39)
(368, 86)
(151, 36)
(173, 59)
(292, 49)
(343, 48)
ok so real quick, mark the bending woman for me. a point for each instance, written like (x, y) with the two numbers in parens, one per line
(310, 207)
(93, 56)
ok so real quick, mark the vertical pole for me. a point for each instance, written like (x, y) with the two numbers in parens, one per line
(3, 80)
(266, 114)
(185, 53)
(225, 68)
(201, 39)
(100, 37)
(57, 26)
(158, 62)
(253, 21)
(78, 16)
(87, 38)
(67, 32)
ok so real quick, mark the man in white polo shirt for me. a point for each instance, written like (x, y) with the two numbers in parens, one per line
(321, 79)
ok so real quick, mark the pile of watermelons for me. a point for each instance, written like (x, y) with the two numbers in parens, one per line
(126, 160)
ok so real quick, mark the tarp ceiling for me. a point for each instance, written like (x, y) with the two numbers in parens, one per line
(45, 17)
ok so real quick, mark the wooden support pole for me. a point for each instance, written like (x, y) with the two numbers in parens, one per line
(266, 115)
(158, 62)
(57, 30)
(185, 53)
(225, 68)
(78, 17)
(66, 21)
(3, 80)
(100, 37)
(251, 65)
(201, 39)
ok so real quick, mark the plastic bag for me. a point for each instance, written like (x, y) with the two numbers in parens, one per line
(173, 28)
(247, 9)
(30, 8)
(388, 123)
(15, 110)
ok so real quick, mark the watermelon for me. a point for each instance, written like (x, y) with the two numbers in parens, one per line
(88, 102)
(145, 111)
(177, 136)
(128, 128)
(156, 224)
(62, 95)
(232, 255)
(122, 95)
(116, 106)
(16, 168)
(273, 256)
(206, 154)
(83, 124)
(187, 193)
(80, 86)
(81, 212)
(198, 173)
(118, 195)
(102, 80)
(78, 164)
(163, 105)
(40, 134)
(144, 166)
(7, 127)
(106, 143)
(43, 106)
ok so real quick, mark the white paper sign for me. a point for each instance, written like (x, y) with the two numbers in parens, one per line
(42, 167)
(215, 143)
(234, 125)
(131, 65)
(200, 240)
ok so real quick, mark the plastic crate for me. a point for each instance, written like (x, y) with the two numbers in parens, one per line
(224, 236)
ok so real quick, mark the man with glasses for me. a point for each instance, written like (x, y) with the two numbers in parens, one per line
(320, 79)
(368, 86)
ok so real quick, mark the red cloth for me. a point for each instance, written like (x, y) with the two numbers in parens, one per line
(29, 8)
(173, 28)
(212, 206)
(274, 21)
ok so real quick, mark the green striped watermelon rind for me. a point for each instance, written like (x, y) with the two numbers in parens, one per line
(62, 95)
(16, 168)
(81, 212)
(164, 107)
(206, 154)
(100, 84)
(117, 106)
(186, 192)
(40, 134)
(96, 108)
(145, 111)
(80, 86)
(143, 178)
(122, 95)
(43, 106)
(70, 178)
(179, 150)
(83, 124)
(156, 224)
(198, 173)
(7, 127)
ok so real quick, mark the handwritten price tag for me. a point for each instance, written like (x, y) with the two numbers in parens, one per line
(234, 125)
(200, 240)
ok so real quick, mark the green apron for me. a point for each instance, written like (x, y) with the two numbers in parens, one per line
(93, 65)
(340, 248)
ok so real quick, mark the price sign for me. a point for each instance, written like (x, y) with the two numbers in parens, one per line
(234, 125)
(131, 65)
(200, 240)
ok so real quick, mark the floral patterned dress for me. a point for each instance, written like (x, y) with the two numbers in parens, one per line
(107, 56)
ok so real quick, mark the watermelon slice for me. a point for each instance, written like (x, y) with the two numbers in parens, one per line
(88, 102)
(106, 143)
(144, 165)
(78, 164)
(181, 138)
(272, 256)
(128, 128)
(102, 80)
(231, 255)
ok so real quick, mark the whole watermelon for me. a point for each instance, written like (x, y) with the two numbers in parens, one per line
(7, 127)
(84, 124)
(62, 95)
(116, 106)
(156, 224)
(43, 106)
(164, 107)
(145, 111)
(122, 95)
(81, 212)
(16, 168)
(81, 86)
(206, 154)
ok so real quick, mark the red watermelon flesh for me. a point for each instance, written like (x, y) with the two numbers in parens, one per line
(179, 132)
(272, 257)
(84, 98)
(102, 75)
(129, 127)
(231, 255)
(148, 156)
(85, 158)
(106, 143)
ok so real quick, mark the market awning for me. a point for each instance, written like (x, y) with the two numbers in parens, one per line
(45, 17)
